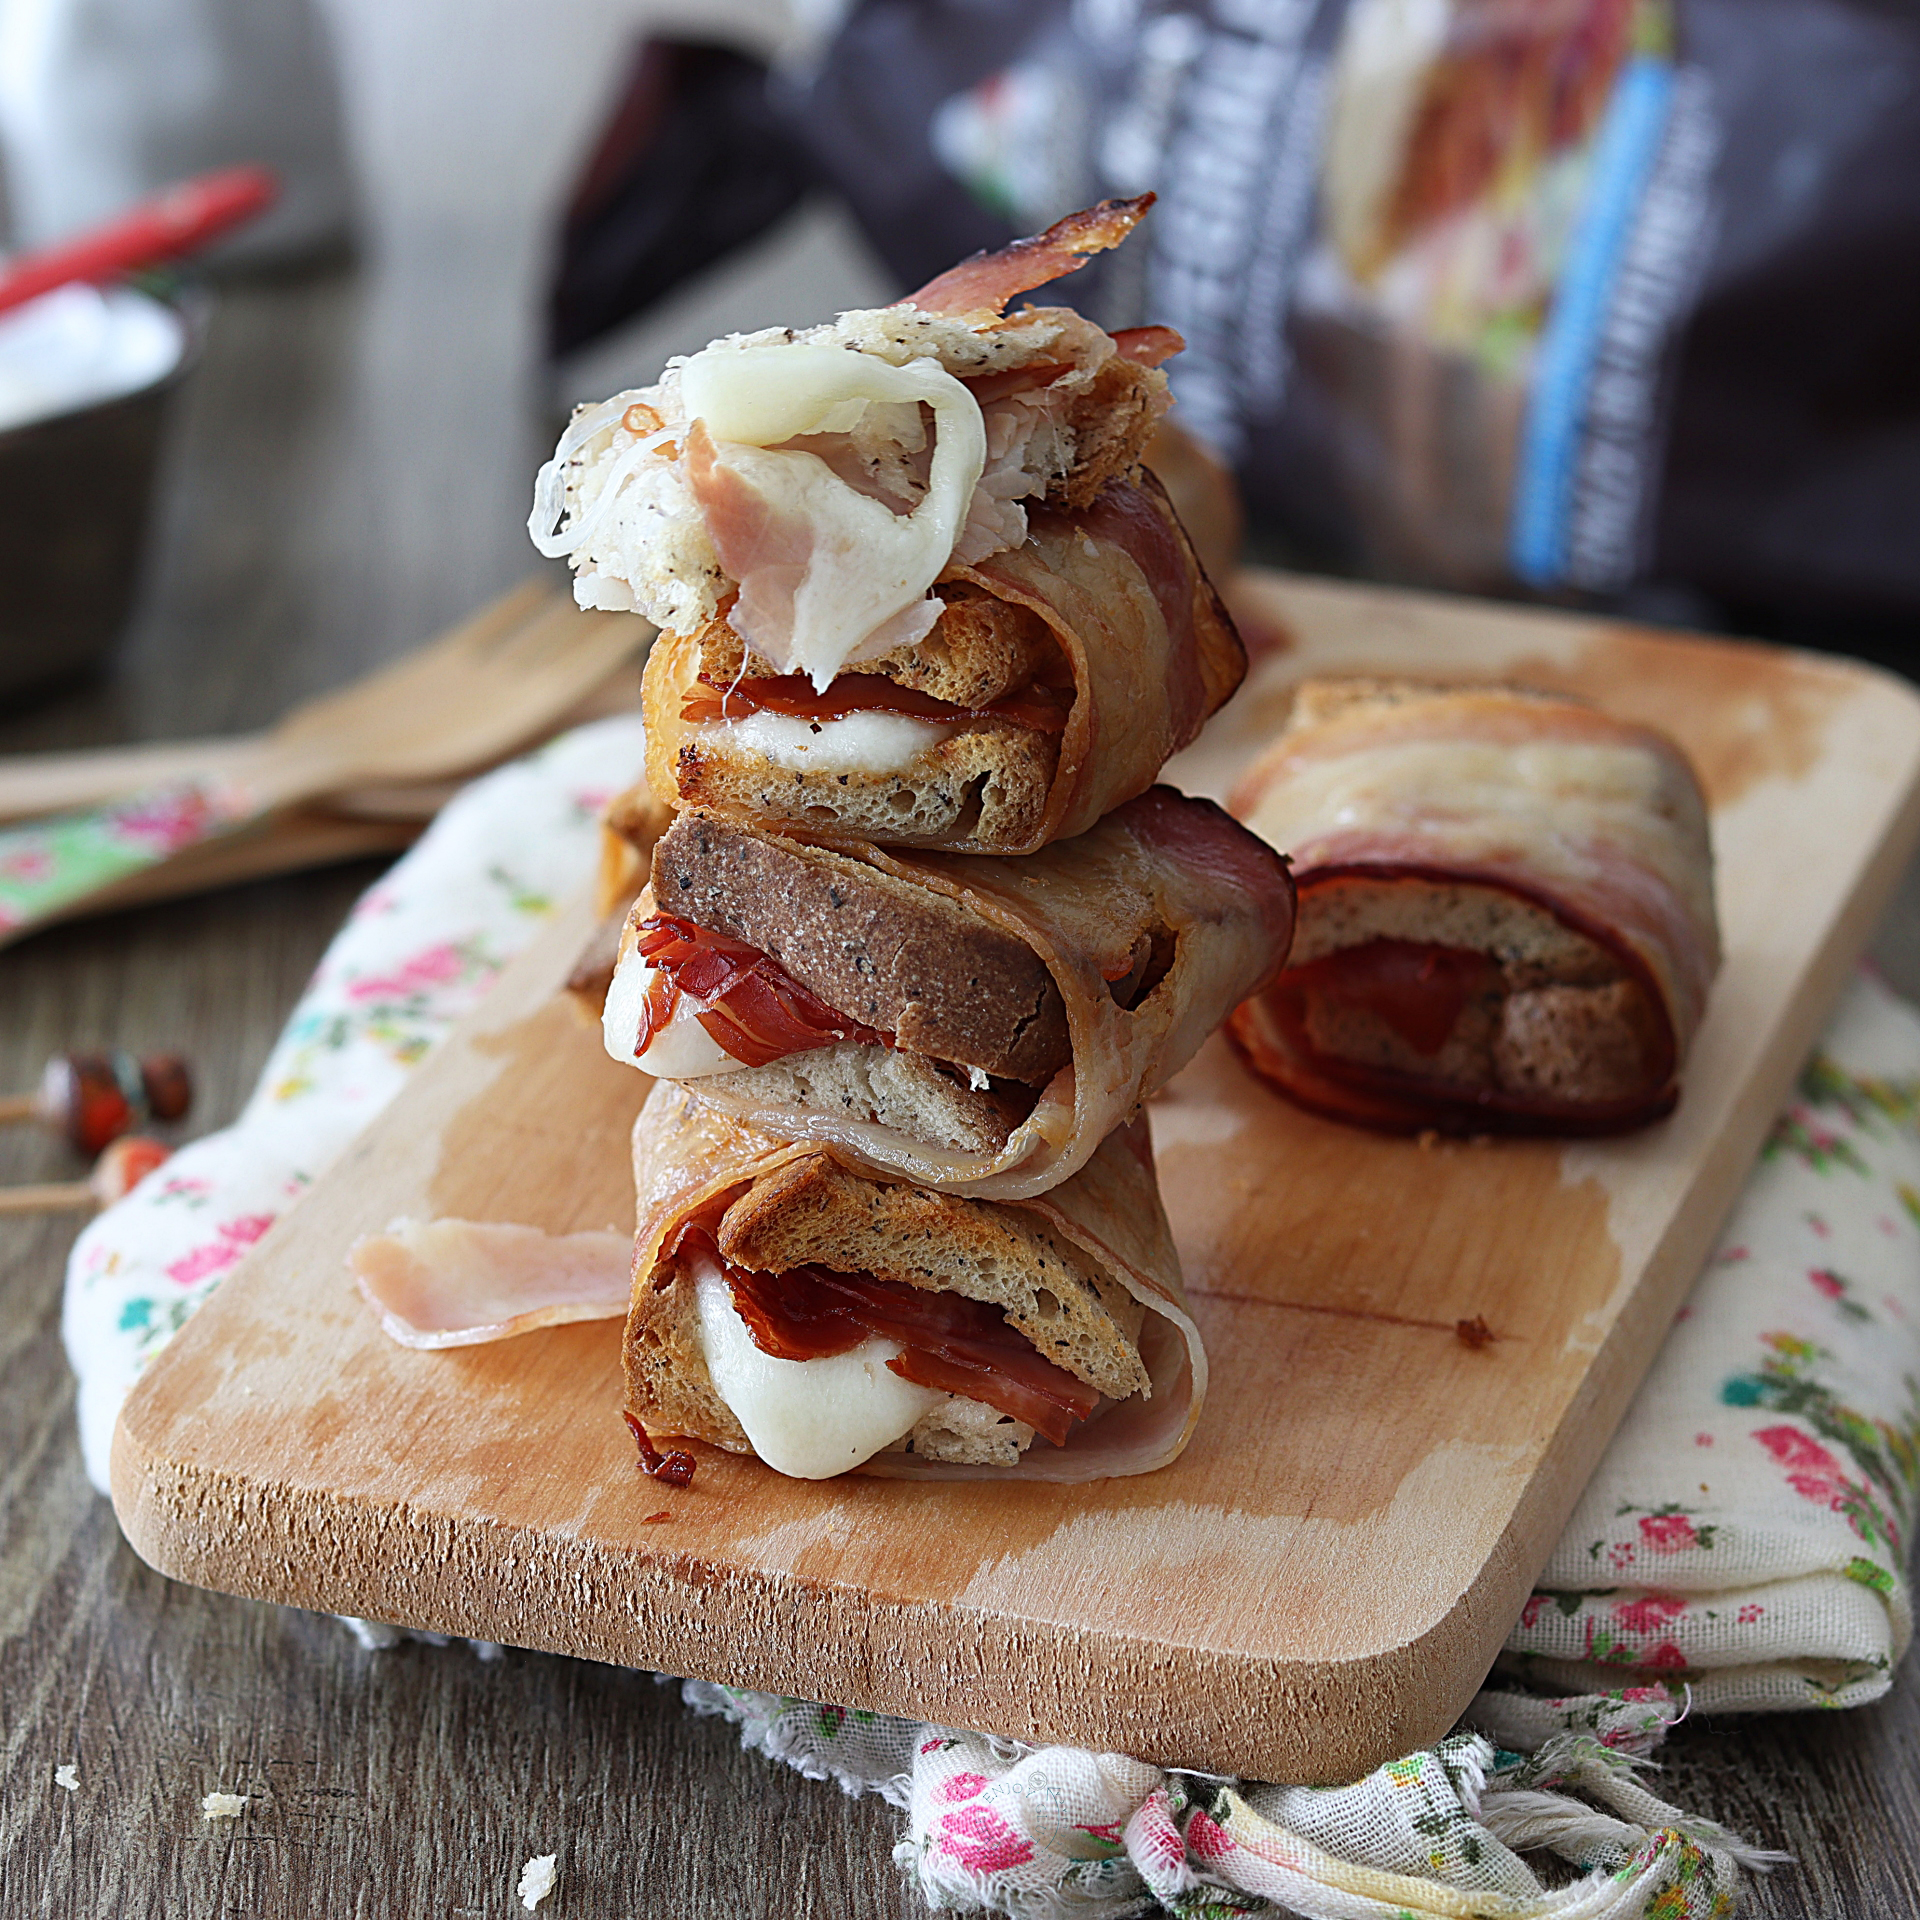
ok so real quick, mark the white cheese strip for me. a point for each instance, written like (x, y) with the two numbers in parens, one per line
(809, 1419)
(855, 743)
(684, 1050)
(827, 574)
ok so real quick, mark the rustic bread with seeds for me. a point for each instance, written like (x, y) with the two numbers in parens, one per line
(940, 979)
(980, 650)
(813, 1211)
(666, 1367)
(1111, 418)
(980, 782)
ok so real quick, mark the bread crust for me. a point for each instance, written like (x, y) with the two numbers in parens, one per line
(941, 979)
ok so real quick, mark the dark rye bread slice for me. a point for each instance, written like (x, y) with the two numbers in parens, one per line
(899, 958)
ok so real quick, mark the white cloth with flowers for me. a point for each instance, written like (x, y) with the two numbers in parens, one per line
(1743, 1543)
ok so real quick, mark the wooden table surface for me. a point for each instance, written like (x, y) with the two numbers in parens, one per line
(416, 1781)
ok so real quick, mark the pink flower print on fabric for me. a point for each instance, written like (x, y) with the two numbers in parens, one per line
(434, 966)
(215, 1256)
(1648, 1614)
(1207, 1839)
(1828, 1283)
(962, 1786)
(32, 863)
(168, 818)
(978, 1839)
(1156, 1848)
(1667, 1532)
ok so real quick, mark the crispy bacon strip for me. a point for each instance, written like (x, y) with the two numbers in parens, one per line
(750, 1004)
(948, 1342)
(1148, 346)
(987, 281)
(1043, 709)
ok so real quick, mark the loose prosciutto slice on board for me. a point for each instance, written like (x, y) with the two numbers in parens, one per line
(789, 1304)
(1506, 918)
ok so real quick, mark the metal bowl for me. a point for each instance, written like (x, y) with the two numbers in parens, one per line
(76, 497)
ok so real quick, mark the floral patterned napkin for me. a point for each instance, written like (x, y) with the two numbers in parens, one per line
(1742, 1546)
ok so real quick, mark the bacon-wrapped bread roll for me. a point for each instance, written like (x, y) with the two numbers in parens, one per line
(790, 1305)
(973, 1023)
(1506, 918)
(1056, 681)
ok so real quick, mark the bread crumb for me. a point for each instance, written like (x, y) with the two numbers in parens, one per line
(224, 1806)
(1474, 1333)
(68, 1777)
(654, 1519)
(536, 1880)
(1426, 1140)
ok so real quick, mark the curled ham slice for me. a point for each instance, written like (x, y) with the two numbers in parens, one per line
(792, 695)
(749, 1003)
(461, 1283)
(987, 281)
(949, 1342)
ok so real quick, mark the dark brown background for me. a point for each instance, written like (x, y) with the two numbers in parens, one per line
(306, 533)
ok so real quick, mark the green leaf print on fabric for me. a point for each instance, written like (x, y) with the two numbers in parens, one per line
(1869, 1575)
(1865, 1098)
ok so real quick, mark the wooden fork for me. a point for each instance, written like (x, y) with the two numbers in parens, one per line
(500, 681)
(532, 627)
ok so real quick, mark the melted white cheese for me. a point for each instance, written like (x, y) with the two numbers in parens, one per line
(683, 1050)
(809, 1419)
(855, 743)
(863, 585)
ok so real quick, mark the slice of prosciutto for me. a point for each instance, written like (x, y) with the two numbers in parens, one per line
(462, 1283)
(707, 1184)
(1506, 918)
(985, 282)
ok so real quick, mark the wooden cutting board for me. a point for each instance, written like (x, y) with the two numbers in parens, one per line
(1321, 1582)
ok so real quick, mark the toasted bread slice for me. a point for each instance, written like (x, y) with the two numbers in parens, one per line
(943, 981)
(814, 1211)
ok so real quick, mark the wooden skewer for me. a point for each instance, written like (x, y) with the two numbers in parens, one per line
(115, 1174)
(56, 1196)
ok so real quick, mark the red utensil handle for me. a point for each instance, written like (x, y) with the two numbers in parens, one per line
(177, 221)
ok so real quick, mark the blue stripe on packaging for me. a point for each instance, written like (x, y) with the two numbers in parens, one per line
(1623, 157)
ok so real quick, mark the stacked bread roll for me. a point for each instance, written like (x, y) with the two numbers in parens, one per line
(921, 935)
